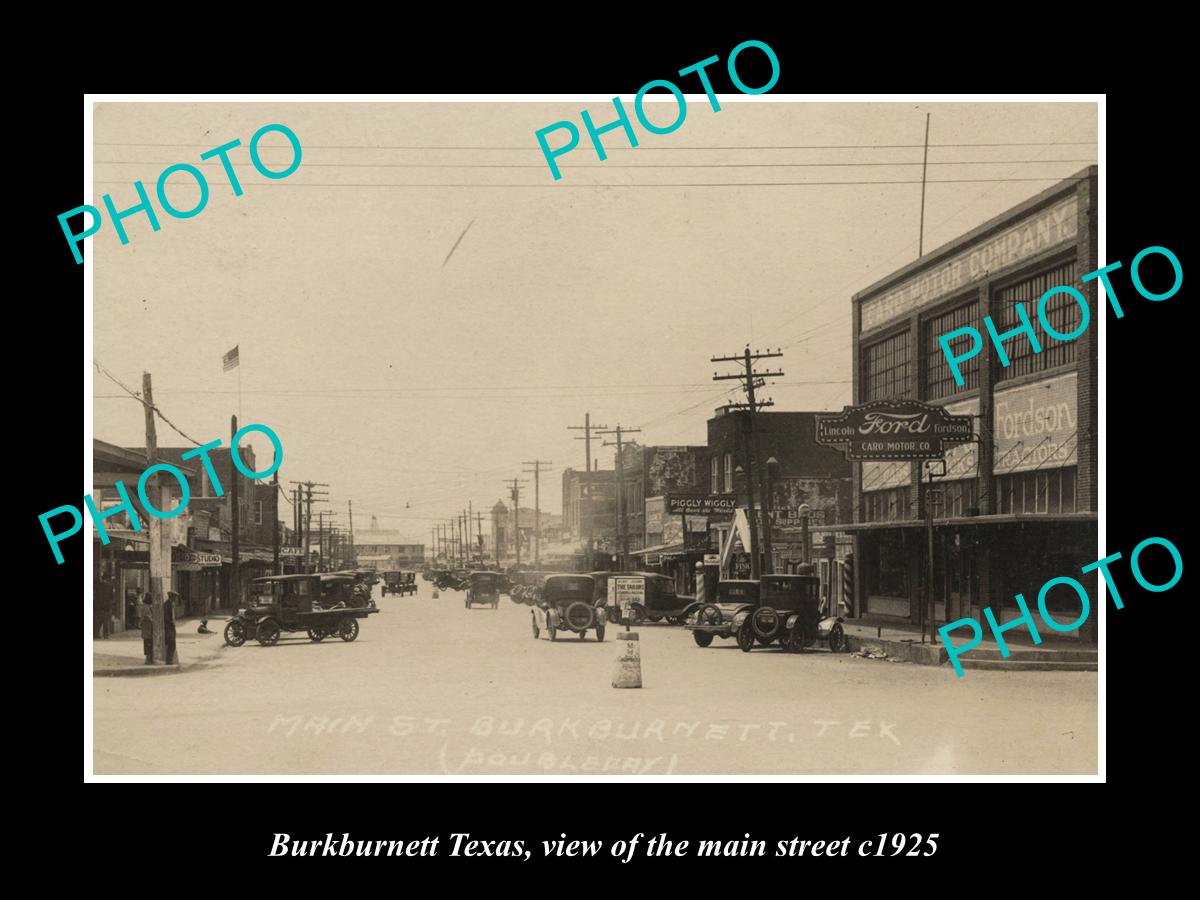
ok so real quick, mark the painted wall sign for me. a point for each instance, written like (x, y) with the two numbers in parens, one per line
(708, 504)
(1053, 225)
(1035, 425)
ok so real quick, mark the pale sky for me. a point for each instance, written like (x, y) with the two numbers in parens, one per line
(413, 385)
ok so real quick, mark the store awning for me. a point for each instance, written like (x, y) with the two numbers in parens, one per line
(961, 521)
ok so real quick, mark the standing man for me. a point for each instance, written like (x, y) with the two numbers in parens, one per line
(102, 597)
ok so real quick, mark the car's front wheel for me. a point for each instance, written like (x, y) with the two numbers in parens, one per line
(315, 634)
(837, 638)
(552, 632)
(235, 633)
(745, 637)
(702, 638)
(599, 632)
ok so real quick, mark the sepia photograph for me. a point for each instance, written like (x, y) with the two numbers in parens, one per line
(554, 437)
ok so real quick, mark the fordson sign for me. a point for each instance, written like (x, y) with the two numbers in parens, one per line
(894, 429)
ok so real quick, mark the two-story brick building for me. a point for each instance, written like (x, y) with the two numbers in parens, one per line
(1017, 506)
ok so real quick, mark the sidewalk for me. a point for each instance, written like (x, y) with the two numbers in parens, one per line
(121, 654)
(902, 643)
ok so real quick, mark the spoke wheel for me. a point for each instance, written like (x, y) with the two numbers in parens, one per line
(235, 633)
(316, 634)
(348, 630)
(745, 637)
(267, 632)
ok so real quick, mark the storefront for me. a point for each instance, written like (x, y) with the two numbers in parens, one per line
(1016, 506)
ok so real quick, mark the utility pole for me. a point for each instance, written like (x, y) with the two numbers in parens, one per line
(479, 523)
(353, 552)
(275, 489)
(235, 579)
(516, 499)
(619, 480)
(586, 428)
(536, 472)
(159, 567)
(306, 497)
(750, 381)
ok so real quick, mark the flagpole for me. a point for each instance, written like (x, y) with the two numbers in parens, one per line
(239, 368)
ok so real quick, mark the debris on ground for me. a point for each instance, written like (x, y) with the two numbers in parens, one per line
(872, 652)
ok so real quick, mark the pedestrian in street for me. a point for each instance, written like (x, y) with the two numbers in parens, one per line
(169, 627)
(147, 629)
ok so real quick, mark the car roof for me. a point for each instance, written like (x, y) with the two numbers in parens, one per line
(738, 581)
(299, 577)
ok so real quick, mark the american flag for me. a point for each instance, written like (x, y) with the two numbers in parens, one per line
(230, 360)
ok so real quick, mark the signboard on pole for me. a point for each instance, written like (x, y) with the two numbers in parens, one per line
(894, 429)
(291, 551)
(626, 590)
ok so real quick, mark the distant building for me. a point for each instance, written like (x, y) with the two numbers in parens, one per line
(385, 550)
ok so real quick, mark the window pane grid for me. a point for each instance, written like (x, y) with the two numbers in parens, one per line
(886, 368)
(1062, 312)
(939, 380)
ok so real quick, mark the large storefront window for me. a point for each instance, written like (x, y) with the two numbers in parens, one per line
(887, 368)
(939, 382)
(1049, 491)
(887, 569)
(1062, 312)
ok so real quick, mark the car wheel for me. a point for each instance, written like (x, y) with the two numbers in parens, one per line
(599, 632)
(674, 620)
(553, 632)
(745, 637)
(653, 618)
(583, 635)
(837, 638)
(533, 622)
(235, 633)
(348, 630)
(702, 638)
(637, 614)
(267, 632)
(316, 634)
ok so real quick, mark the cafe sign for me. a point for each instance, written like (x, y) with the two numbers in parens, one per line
(894, 429)
(703, 505)
(290, 551)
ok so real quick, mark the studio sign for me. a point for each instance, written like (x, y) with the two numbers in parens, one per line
(894, 429)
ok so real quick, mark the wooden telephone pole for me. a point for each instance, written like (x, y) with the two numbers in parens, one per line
(306, 498)
(619, 481)
(750, 381)
(536, 472)
(587, 429)
(516, 499)
(160, 567)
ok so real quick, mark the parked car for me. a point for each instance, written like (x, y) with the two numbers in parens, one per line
(483, 589)
(661, 601)
(566, 603)
(292, 603)
(729, 616)
(790, 612)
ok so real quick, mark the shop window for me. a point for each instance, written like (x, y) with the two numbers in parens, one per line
(887, 368)
(953, 499)
(887, 575)
(939, 381)
(716, 476)
(1062, 312)
(728, 473)
(885, 506)
(258, 512)
(1031, 493)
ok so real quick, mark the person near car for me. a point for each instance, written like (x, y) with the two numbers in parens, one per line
(169, 627)
(147, 612)
(102, 606)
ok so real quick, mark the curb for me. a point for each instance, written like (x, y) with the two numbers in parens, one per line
(905, 651)
(117, 671)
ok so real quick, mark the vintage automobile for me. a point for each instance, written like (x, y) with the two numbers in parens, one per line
(790, 612)
(292, 603)
(393, 583)
(345, 589)
(525, 586)
(567, 603)
(729, 616)
(482, 590)
(443, 579)
(660, 602)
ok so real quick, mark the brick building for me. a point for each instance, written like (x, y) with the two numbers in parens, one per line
(806, 473)
(1018, 506)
